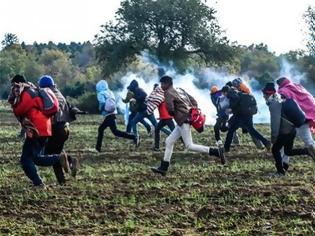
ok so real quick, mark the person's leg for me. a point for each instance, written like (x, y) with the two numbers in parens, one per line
(113, 127)
(159, 126)
(234, 124)
(247, 122)
(138, 117)
(170, 124)
(146, 125)
(154, 123)
(27, 162)
(288, 147)
(55, 144)
(185, 131)
(131, 116)
(216, 129)
(100, 135)
(276, 147)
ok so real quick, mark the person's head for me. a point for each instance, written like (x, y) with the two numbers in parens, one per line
(229, 84)
(269, 90)
(155, 86)
(281, 80)
(101, 86)
(133, 85)
(18, 79)
(166, 82)
(46, 81)
(225, 90)
(214, 89)
(236, 82)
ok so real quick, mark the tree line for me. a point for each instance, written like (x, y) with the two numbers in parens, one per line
(181, 33)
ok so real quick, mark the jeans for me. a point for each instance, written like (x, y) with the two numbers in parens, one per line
(110, 121)
(31, 156)
(244, 122)
(285, 141)
(160, 125)
(183, 131)
(304, 132)
(145, 124)
(140, 116)
(55, 144)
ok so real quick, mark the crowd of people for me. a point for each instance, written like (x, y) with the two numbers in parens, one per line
(45, 114)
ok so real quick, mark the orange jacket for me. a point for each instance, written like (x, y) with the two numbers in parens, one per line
(30, 106)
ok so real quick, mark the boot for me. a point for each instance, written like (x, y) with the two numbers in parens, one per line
(162, 169)
(64, 162)
(218, 152)
(60, 176)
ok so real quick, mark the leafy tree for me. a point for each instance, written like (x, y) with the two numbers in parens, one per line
(9, 40)
(310, 20)
(171, 30)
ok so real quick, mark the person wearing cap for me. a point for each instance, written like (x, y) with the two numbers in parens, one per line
(60, 128)
(27, 106)
(178, 104)
(288, 89)
(285, 117)
(239, 120)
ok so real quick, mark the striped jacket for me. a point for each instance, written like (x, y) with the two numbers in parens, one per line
(154, 100)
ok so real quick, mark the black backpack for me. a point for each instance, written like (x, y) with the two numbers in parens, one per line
(247, 104)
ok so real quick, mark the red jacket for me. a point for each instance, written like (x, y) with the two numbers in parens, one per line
(30, 106)
(164, 115)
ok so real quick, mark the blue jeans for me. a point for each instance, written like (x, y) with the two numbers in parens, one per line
(246, 122)
(145, 124)
(140, 116)
(32, 155)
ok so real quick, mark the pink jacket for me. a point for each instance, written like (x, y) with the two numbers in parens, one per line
(297, 92)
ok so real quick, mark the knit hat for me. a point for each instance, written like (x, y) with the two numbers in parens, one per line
(46, 81)
(269, 88)
(214, 89)
(18, 79)
(236, 82)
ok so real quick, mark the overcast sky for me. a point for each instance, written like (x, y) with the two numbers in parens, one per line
(278, 23)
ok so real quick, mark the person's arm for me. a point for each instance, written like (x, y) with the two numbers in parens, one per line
(169, 100)
(129, 96)
(275, 119)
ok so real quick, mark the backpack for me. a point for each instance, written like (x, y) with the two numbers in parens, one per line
(247, 104)
(197, 119)
(110, 105)
(50, 101)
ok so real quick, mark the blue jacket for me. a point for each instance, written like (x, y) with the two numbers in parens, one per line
(139, 95)
(103, 93)
(215, 98)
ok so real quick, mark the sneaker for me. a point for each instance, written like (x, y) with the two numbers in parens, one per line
(285, 166)
(64, 162)
(276, 175)
(39, 187)
(74, 167)
(156, 149)
(98, 149)
(136, 141)
(311, 152)
(219, 143)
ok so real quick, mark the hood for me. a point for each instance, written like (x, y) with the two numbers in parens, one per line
(101, 86)
(133, 85)
(283, 81)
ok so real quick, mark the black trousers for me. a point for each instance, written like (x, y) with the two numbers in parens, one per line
(55, 144)
(285, 141)
(162, 123)
(220, 125)
(110, 121)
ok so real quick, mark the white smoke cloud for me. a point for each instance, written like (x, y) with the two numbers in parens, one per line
(148, 75)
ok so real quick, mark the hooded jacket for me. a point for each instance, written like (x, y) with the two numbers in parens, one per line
(303, 98)
(139, 95)
(178, 104)
(285, 116)
(104, 93)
